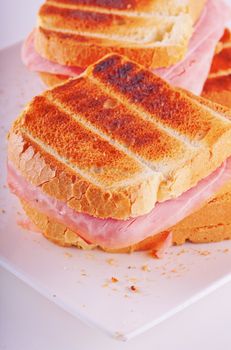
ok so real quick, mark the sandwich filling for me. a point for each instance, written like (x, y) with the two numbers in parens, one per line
(115, 234)
(190, 73)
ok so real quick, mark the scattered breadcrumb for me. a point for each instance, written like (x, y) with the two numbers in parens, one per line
(226, 250)
(114, 280)
(204, 252)
(182, 251)
(119, 336)
(69, 255)
(133, 288)
(90, 256)
(146, 268)
(3, 211)
(131, 267)
(110, 261)
(105, 285)
(132, 279)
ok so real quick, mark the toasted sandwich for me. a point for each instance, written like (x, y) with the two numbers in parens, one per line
(119, 159)
(218, 85)
(178, 36)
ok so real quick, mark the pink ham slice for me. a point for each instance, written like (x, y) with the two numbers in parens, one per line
(39, 64)
(111, 233)
(190, 73)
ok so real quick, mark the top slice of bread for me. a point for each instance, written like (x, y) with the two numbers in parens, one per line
(154, 33)
(117, 139)
(146, 8)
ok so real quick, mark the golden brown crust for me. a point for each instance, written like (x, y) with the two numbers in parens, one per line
(221, 61)
(214, 220)
(83, 149)
(51, 80)
(62, 182)
(222, 57)
(137, 85)
(172, 108)
(134, 7)
(218, 89)
(116, 121)
(122, 5)
(218, 85)
(81, 51)
(154, 33)
(128, 148)
(89, 22)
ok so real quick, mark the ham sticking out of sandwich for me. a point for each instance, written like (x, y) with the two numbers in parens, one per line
(190, 73)
(118, 156)
(116, 234)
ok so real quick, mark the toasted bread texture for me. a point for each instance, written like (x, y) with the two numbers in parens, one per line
(117, 139)
(51, 80)
(146, 8)
(212, 223)
(153, 33)
(218, 84)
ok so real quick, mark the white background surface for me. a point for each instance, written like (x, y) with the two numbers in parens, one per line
(29, 321)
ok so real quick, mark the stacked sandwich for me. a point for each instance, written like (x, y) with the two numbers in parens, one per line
(177, 36)
(218, 84)
(119, 159)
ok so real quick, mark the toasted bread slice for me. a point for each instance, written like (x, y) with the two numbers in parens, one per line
(146, 8)
(79, 33)
(117, 139)
(218, 84)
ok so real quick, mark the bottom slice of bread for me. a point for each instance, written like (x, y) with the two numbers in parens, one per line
(52, 80)
(218, 85)
(212, 223)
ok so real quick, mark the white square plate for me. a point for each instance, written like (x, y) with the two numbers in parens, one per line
(79, 281)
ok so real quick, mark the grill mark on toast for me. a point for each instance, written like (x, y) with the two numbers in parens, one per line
(146, 116)
(72, 141)
(127, 7)
(92, 18)
(108, 4)
(106, 116)
(171, 108)
(85, 175)
(108, 26)
(90, 126)
(84, 36)
(46, 149)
